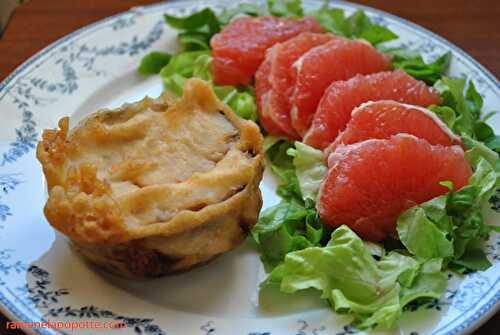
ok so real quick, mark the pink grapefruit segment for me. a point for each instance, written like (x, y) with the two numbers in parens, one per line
(334, 109)
(275, 99)
(370, 183)
(339, 59)
(263, 96)
(384, 118)
(240, 47)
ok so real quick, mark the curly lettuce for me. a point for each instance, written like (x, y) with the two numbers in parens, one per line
(451, 227)
(355, 282)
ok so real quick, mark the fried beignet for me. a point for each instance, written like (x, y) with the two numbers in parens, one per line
(157, 186)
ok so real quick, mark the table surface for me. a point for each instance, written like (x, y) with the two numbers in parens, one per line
(472, 25)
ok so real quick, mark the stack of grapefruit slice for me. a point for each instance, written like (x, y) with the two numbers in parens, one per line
(385, 151)
(240, 47)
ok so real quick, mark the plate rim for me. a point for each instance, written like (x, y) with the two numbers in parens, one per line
(470, 323)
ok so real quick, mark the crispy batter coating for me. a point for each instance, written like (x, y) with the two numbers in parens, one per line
(156, 186)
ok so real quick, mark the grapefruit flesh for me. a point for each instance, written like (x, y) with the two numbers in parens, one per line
(339, 59)
(240, 47)
(334, 109)
(263, 95)
(384, 118)
(370, 183)
(274, 74)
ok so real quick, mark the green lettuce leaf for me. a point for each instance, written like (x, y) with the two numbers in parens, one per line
(195, 29)
(192, 41)
(445, 113)
(462, 111)
(282, 165)
(294, 223)
(467, 106)
(204, 19)
(421, 236)
(452, 92)
(198, 64)
(202, 67)
(284, 228)
(174, 83)
(478, 150)
(413, 64)
(451, 227)
(357, 25)
(429, 282)
(310, 169)
(494, 143)
(182, 64)
(243, 8)
(354, 282)
(180, 67)
(291, 8)
(241, 100)
(153, 62)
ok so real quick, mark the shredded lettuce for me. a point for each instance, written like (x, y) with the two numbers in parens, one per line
(354, 282)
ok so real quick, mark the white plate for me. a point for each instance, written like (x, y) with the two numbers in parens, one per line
(40, 277)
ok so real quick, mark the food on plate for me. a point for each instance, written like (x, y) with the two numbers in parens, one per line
(384, 118)
(411, 167)
(154, 187)
(370, 183)
(276, 69)
(241, 46)
(262, 89)
(341, 97)
(339, 59)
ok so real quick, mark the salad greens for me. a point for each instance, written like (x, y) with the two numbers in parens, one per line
(195, 29)
(287, 227)
(357, 25)
(291, 8)
(153, 62)
(413, 64)
(309, 167)
(467, 119)
(451, 226)
(446, 232)
(374, 291)
(373, 282)
(197, 63)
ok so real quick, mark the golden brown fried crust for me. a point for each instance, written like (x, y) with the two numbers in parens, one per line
(157, 186)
